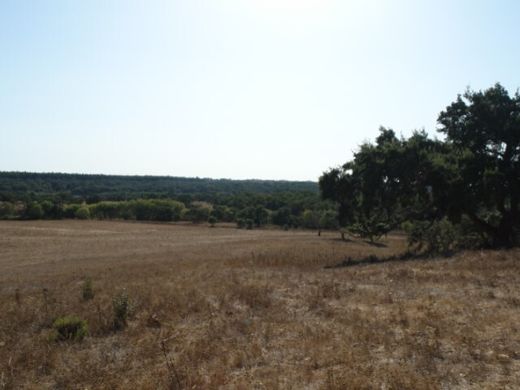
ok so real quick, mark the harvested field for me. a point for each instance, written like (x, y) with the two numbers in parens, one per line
(240, 309)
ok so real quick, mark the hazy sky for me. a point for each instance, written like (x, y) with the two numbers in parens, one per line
(274, 89)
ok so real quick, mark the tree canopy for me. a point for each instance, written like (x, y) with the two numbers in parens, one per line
(470, 179)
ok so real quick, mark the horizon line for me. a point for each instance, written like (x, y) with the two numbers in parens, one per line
(156, 175)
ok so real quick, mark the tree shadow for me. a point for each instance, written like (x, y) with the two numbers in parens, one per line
(339, 239)
(376, 244)
(373, 259)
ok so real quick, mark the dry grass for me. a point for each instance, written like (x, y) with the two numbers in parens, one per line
(226, 308)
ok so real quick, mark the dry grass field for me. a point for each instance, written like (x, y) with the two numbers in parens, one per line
(236, 309)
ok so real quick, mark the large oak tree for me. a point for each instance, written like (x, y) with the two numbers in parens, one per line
(474, 172)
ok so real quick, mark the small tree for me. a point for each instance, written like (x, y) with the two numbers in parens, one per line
(34, 211)
(198, 212)
(7, 210)
(82, 213)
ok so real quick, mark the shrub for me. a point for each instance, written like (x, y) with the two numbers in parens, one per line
(329, 220)
(82, 213)
(437, 237)
(70, 328)
(212, 221)
(7, 210)
(87, 290)
(69, 211)
(47, 207)
(469, 237)
(121, 307)
(259, 215)
(282, 216)
(106, 210)
(311, 219)
(34, 211)
(223, 213)
(198, 212)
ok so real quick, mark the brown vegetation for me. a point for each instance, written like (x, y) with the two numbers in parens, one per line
(226, 308)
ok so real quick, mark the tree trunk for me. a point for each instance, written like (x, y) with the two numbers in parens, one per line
(505, 235)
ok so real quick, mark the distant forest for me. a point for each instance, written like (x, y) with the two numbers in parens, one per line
(249, 203)
(93, 188)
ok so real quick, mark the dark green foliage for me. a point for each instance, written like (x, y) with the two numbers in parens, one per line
(245, 223)
(95, 188)
(223, 213)
(212, 221)
(69, 328)
(258, 215)
(433, 236)
(484, 130)
(329, 220)
(463, 190)
(7, 210)
(282, 217)
(110, 210)
(148, 198)
(152, 210)
(46, 208)
(139, 209)
(311, 219)
(159, 198)
(34, 211)
(69, 211)
(198, 212)
(82, 213)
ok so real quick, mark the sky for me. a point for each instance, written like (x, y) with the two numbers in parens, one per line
(266, 89)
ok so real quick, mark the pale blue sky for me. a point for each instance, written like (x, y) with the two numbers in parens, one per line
(273, 89)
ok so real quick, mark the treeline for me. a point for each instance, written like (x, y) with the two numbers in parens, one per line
(75, 188)
(249, 203)
(321, 216)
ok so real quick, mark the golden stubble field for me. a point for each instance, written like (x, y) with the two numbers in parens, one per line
(227, 308)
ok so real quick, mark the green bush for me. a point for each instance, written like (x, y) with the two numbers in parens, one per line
(311, 219)
(212, 221)
(106, 210)
(69, 211)
(34, 211)
(329, 220)
(7, 210)
(437, 237)
(82, 213)
(70, 328)
(198, 212)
